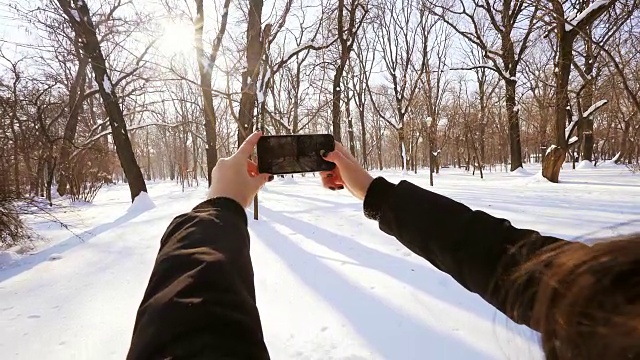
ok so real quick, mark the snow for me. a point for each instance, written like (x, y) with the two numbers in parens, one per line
(585, 164)
(7, 257)
(519, 172)
(260, 96)
(329, 283)
(55, 257)
(594, 107)
(107, 84)
(615, 158)
(573, 140)
(141, 204)
(550, 149)
(288, 179)
(570, 127)
(404, 159)
(575, 20)
(75, 14)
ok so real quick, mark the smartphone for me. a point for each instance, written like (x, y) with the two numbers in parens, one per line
(290, 154)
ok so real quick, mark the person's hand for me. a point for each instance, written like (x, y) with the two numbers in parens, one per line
(348, 172)
(237, 177)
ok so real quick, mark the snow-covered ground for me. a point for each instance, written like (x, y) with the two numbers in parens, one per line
(329, 284)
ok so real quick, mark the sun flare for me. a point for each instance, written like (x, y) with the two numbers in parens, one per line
(177, 37)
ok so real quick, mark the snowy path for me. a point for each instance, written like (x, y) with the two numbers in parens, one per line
(330, 285)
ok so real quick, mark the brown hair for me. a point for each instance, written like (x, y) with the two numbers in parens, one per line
(587, 304)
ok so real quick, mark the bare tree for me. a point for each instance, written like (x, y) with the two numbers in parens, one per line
(483, 20)
(404, 27)
(77, 12)
(205, 68)
(356, 12)
(566, 32)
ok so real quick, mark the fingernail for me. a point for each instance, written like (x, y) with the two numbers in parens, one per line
(329, 175)
(340, 187)
(271, 177)
(332, 188)
(323, 153)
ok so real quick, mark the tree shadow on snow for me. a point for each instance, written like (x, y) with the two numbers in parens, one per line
(392, 333)
(71, 242)
(429, 281)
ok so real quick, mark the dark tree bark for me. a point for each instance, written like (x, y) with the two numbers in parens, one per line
(76, 99)
(347, 108)
(346, 38)
(79, 16)
(205, 68)
(250, 77)
(555, 156)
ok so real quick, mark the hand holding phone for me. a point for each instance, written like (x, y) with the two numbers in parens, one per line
(290, 154)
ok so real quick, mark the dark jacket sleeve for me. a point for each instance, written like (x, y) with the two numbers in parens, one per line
(478, 250)
(200, 301)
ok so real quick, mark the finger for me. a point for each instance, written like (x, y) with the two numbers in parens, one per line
(330, 184)
(346, 153)
(327, 174)
(246, 149)
(336, 157)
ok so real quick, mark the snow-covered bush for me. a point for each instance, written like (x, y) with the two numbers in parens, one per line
(13, 231)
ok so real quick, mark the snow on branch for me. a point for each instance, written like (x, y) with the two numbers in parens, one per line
(569, 129)
(107, 84)
(573, 140)
(575, 20)
(575, 119)
(594, 108)
(75, 14)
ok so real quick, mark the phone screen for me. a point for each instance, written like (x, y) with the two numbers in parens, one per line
(289, 154)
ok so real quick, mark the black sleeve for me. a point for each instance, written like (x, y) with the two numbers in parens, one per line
(478, 250)
(200, 301)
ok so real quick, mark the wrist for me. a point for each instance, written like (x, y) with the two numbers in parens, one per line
(218, 194)
(376, 196)
(225, 204)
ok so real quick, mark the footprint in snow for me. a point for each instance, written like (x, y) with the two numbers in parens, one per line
(34, 317)
(55, 257)
(324, 328)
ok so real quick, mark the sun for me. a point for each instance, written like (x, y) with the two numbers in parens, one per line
(177, 38)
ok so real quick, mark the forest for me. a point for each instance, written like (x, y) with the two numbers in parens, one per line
(94, 92)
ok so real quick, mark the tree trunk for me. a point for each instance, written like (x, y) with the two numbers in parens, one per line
(86, 30)
(401, 145)
(363, 138)
(205, 68)
(552, 163)
(76, 99)
(624, 142)
(515, 147)
(350, 137)
(250, 77)
(336, 102)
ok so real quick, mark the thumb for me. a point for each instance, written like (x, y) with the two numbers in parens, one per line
(335, 157)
